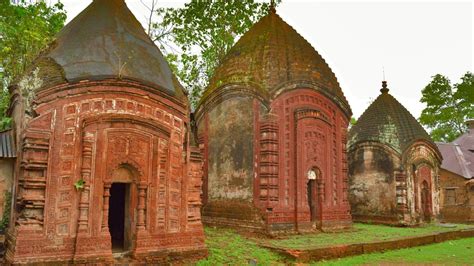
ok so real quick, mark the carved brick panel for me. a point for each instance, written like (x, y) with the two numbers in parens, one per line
(269, 162)
(31, 195)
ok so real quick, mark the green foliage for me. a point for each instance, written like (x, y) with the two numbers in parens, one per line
(196, 38)
(447, 106)
(353, 121)
(25, 29)
(6, 211)
(456, 252)
(79, 184)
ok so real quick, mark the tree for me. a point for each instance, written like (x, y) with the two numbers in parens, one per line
(447, 106)
(25, 29)
(196, 38)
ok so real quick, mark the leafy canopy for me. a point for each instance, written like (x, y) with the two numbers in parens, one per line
(196, 38)
(25, 29)
(447, 106)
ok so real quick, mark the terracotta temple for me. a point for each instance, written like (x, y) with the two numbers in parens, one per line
(393, 166)
(105, 160)
(272, 126)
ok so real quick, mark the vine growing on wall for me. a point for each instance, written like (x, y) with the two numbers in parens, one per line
(6, 211)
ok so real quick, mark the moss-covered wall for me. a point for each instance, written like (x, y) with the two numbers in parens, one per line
(372, 183)
(230, 150)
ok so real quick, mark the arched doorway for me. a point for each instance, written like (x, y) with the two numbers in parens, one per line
(121, 209)
(425, 200)
(312, 193)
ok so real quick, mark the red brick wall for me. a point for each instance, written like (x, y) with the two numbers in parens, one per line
(86, 131)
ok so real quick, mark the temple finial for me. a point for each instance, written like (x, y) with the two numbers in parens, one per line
(272, 6)
(384, 88)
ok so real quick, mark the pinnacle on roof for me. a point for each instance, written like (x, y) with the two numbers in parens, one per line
(388, 122)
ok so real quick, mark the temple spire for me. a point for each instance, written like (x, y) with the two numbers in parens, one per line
(272, 6)
(384, 88)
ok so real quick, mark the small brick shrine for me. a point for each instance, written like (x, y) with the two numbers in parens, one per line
(101, 110)
(393, 166)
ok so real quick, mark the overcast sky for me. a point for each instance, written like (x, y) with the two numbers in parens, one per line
(412, 41)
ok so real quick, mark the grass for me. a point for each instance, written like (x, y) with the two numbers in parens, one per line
(226, 247)
(361, 233)
(456, 252)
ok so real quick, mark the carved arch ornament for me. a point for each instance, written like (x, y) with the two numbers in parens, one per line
(128, 164)
(302, 113)
(419, 153)
(159, 128)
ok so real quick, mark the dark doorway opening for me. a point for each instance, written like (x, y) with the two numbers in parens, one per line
(426, 201)
(117, 215)
(312, 199)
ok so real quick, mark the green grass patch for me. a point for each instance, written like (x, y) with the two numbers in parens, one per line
(226, 247)
(361, 233)
(456, 252)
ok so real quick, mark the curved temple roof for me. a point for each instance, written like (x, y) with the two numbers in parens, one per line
(388, 122)
(271, 55)
(106, 41)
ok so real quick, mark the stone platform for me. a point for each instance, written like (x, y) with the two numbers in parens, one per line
(346, 250)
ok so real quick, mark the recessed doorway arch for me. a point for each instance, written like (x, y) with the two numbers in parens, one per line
(313, 177)
(122, 207)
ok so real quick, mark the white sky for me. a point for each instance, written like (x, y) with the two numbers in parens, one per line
(412, 41)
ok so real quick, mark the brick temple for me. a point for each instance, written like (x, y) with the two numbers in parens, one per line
(272, 126)
(393, 166)
(105, 161)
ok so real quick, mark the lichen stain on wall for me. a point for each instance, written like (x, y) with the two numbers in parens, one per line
(231, 150)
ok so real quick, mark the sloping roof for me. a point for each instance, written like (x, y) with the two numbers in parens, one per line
(388, 122)
(271, 55)
(458, 156)
(7, 144)
(106, 41)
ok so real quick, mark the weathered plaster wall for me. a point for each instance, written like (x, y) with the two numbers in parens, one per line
(388, 188)
(372, 182)
(461, 209)
(6, 180)
(230, 150)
